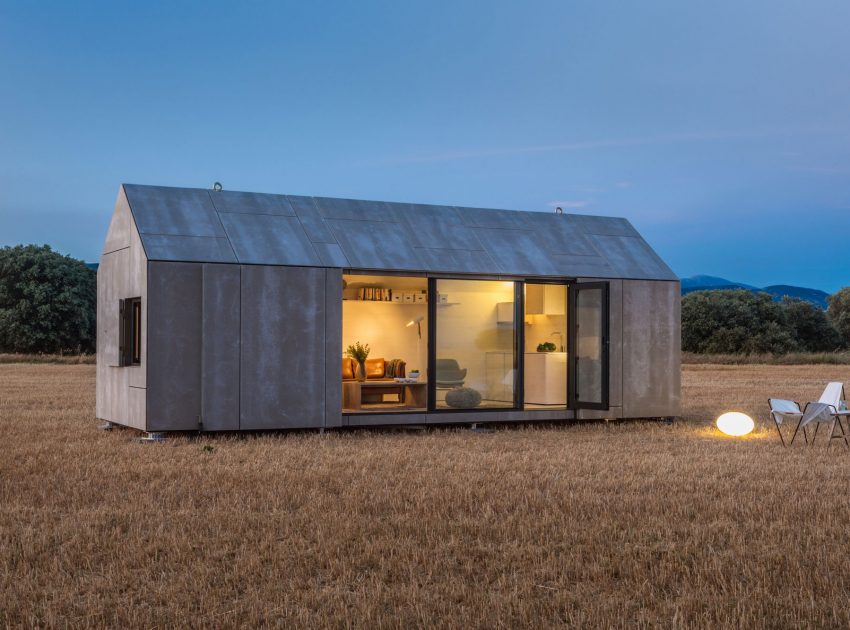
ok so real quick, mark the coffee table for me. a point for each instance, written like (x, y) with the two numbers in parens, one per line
(414, 395)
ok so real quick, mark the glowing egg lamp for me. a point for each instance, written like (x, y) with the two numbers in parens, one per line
(735, 423)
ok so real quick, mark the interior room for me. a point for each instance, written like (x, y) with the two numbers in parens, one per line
(389, 314)
(545, 359)
(475, 344)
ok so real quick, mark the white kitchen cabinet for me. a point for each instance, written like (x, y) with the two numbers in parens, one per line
(546, 378)
(545, 299)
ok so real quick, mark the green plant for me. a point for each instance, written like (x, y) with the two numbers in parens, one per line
(358, 351)
(47, 302)
(546, 346)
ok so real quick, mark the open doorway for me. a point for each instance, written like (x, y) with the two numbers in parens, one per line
(384, 343)
(546, 351)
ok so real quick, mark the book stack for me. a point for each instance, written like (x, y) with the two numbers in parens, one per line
(375, 294)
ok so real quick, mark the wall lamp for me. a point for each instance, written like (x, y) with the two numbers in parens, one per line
(418, 322)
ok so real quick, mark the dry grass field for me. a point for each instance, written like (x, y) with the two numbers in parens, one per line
(638, 524)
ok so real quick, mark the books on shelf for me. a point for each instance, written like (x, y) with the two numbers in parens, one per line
(383, 294)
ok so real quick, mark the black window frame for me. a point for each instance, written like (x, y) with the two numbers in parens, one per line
(130, 332)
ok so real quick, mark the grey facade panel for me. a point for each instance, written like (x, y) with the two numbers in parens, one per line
(333, 347)
(517, 252)
(560, 234)
(457, 261)
(651, 348)
(485, 218)
(576, 266)
(220, 357)
(174, 345)
(330, 254)
(436, 230)
(312, 222)
(251, 203)
(375, 244)
(632, 258)
(283, 336)
(356, 209)
(176, 211)
(376, 235)
(120, 227)
(267, 239)
(188, 248)
(607, 226)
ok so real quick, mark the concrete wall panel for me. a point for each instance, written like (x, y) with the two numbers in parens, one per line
(283, 337)
(333, 347)
(651, 349)
(174, 345)
(120, 227)
(122, 274)
(220, 357)
(136, 407)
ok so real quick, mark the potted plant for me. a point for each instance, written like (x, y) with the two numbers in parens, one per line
(414, 374)
(359, 352)
(546, 346)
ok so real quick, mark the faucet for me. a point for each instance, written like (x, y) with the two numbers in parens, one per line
(561, 335)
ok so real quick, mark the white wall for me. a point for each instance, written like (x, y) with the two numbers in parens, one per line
(382, 326)
(467, 328)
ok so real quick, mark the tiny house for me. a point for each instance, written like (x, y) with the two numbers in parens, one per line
(228, 311)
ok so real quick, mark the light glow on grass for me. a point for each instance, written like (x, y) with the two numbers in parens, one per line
(735, 423)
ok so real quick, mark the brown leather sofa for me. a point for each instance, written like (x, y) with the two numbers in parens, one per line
(376, 369)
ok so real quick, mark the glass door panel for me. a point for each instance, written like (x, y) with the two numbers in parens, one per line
(475, 344)
(590, 350)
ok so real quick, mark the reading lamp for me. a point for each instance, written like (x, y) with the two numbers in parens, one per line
(418, 322)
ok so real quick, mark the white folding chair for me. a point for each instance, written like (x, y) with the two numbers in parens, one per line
(820, 412)
(780, 410)
(833, 393)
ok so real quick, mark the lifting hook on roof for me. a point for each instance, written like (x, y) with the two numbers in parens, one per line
(559, 210)
(217, 186)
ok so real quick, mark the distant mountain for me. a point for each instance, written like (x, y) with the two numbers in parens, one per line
(778, 291)
(700, 283)
(815, 296)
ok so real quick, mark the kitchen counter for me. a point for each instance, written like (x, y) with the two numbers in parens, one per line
(546, 378)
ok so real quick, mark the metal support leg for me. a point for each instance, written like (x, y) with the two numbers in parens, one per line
(152, 436)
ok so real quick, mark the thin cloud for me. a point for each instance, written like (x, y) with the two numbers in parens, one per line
(569, 146)
(625, 184)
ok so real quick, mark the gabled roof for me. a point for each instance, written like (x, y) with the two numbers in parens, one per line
(193, 224)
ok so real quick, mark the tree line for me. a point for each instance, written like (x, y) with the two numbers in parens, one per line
(742, 322)
(48, 304)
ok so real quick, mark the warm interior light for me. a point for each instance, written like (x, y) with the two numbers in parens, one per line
(735, 423)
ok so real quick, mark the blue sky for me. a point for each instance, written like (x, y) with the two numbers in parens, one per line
(721, 130)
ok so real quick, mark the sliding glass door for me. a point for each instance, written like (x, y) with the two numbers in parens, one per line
(474, 351)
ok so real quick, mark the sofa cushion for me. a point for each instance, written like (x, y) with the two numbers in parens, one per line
(348, 369)
(375, 368)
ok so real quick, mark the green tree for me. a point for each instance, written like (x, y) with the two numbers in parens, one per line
(48, 302)
(735, 321)
(839, 312)
(810, 326)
